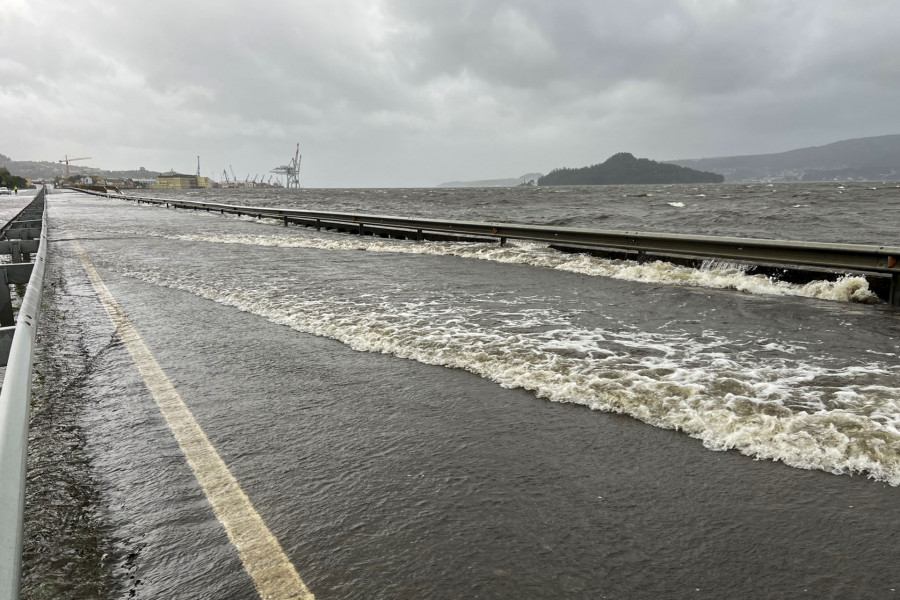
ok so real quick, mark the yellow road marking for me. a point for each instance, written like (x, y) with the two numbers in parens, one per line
(264, 560)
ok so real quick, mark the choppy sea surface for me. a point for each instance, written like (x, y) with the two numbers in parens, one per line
(865, 213)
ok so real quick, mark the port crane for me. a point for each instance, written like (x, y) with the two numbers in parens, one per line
(67, 160)
(291, 171)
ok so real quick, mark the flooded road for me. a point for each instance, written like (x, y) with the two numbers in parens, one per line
(410, 425)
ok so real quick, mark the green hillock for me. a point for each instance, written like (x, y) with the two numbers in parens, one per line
(12, 181)
(624, 168)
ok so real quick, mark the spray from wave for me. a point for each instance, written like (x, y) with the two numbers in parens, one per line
(846, 289)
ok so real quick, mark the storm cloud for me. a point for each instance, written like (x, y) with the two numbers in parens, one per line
(416, 92)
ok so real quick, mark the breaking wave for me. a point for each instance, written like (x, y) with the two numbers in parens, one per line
(846, 289)
(776, 404)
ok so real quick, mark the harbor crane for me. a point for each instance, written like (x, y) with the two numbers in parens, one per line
(291, 171)
(67, 160)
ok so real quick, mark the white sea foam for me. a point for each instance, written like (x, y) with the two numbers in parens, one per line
(846, 289)
(797, 410)
(676, 204)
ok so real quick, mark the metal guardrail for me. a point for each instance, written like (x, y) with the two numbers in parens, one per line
(839, 257)
(24, 235)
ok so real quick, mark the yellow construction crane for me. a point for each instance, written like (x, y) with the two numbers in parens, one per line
(67, 160)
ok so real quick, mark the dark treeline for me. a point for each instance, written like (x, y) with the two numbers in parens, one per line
(12, 181)
(624, 168)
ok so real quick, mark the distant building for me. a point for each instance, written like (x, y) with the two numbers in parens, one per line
(128, 183)
(179, 181)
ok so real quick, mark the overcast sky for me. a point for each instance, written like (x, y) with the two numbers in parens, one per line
(419, 92)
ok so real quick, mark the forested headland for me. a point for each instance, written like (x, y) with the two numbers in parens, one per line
(624, 168)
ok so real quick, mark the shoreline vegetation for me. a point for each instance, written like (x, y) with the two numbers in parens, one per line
(12, 181)
(624, 168)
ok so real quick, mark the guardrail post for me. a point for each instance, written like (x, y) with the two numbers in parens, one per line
(7, 318)
(6, 338)
(895, 290)
(15, 249)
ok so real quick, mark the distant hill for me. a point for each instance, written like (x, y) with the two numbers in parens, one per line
(513, 182)
(624, 168)
(49, 170)
(862, 159)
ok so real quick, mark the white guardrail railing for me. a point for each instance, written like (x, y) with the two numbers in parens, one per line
(22, 237)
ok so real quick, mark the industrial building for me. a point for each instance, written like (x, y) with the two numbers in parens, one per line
(179, 181)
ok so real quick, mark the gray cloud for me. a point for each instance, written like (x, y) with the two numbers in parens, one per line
(415, 92)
